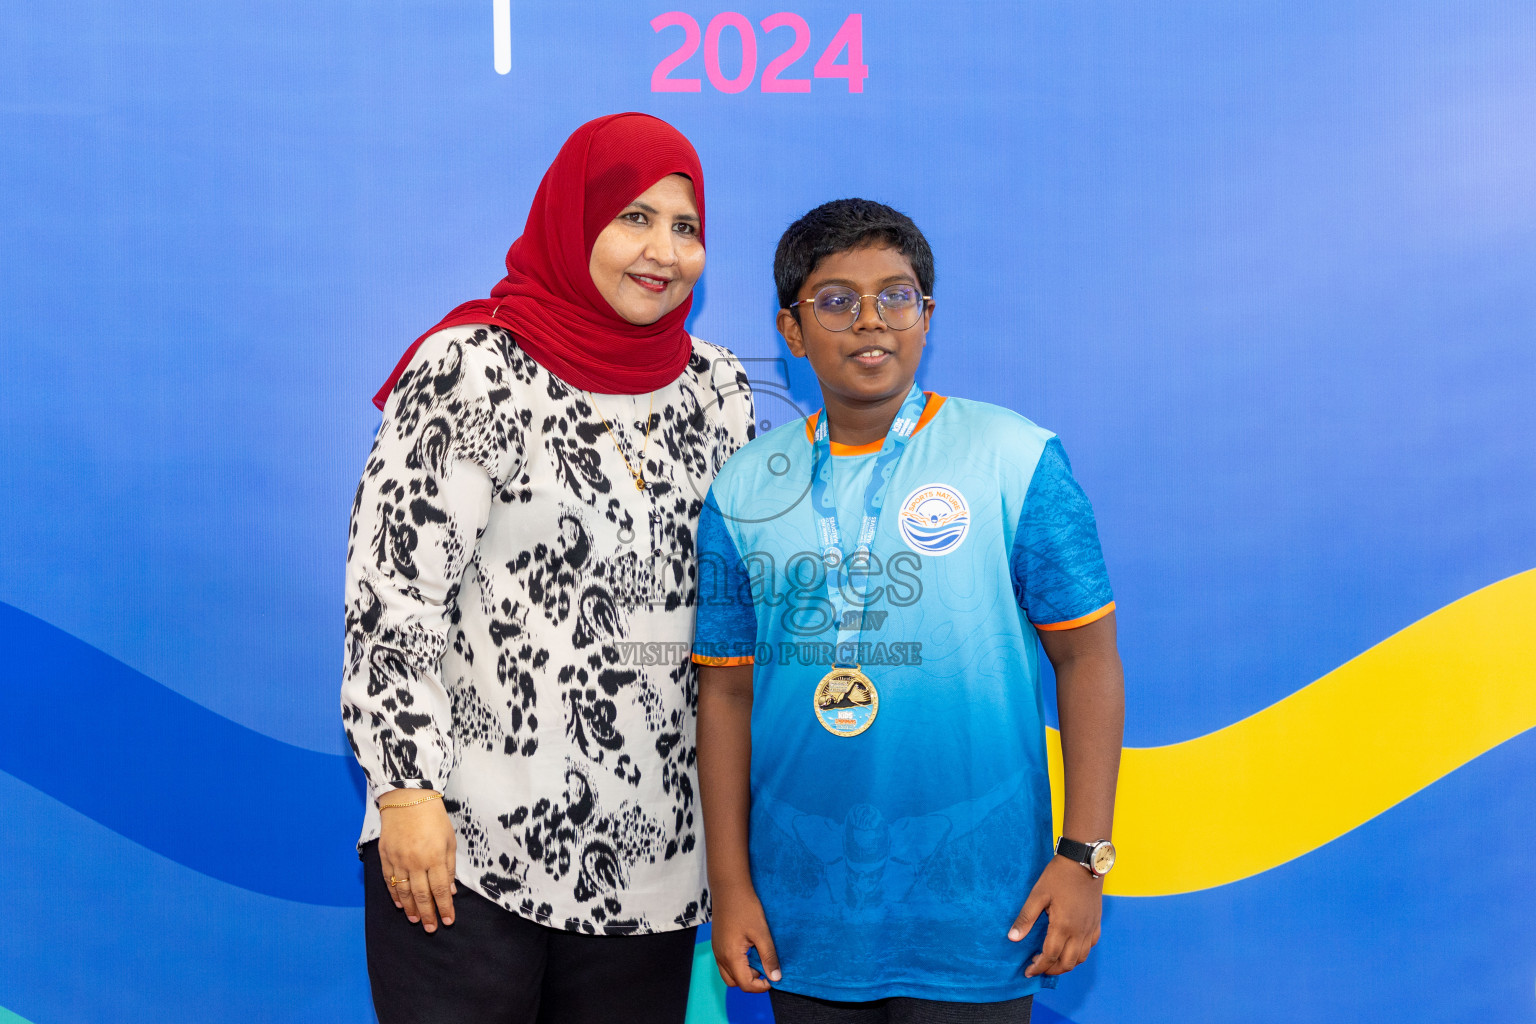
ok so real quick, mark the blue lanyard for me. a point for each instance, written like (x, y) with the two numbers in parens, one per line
(832, 556)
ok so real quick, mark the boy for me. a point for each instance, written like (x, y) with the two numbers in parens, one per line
(871, 727)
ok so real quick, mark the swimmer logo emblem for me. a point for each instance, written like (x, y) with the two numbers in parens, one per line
(934, 519)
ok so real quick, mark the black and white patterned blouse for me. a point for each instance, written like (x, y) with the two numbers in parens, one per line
(519, 617)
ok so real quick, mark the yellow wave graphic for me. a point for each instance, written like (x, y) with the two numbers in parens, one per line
(1331, 756)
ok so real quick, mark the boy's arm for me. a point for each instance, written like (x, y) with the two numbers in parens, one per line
(725, 765)
(1090, 701)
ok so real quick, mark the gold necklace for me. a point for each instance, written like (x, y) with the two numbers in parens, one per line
(640, 484)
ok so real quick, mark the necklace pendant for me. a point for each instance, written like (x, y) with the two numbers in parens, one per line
(639, 484)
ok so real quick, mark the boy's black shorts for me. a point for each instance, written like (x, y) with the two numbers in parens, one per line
(789, 1008)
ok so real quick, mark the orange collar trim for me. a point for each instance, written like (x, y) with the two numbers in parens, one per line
(930, 410)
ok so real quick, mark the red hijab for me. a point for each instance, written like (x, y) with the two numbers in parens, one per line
(548, 300)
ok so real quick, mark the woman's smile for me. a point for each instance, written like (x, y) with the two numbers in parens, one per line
(650, 282)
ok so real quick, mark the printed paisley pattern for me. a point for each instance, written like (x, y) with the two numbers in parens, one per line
(502, 572)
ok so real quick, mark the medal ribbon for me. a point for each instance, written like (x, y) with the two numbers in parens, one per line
(850, 626)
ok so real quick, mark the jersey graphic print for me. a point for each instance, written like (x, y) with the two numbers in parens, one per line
(858, 866)
(934, 519)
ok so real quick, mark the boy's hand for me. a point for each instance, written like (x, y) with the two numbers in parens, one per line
(738, 926)
(1073, 901)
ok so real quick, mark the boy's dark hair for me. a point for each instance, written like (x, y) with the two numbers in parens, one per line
(841, 225)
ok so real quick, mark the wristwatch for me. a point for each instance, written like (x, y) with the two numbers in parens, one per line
(1096, 858)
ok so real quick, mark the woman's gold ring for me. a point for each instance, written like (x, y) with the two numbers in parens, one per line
(393, 881)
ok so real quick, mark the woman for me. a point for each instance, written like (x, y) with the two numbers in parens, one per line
(521, 550)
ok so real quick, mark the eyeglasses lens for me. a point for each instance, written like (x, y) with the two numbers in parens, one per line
(836, 308)
(899, 306)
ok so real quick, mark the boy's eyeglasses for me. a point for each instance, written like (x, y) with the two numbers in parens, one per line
(837, 307)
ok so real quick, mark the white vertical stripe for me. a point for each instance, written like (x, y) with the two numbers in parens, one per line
(501, 31)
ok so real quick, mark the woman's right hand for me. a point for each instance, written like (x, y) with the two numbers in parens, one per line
(417, 846)
(738, 925)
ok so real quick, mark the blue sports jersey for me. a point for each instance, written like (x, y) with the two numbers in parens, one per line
(892, 862)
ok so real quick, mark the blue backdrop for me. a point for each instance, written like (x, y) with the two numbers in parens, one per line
(1266, 267)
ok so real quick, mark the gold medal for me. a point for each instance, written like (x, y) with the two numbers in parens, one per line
(846, 701)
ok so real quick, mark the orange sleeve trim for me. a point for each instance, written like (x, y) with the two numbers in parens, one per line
(699, 659)
(1081, 620)
(930, 410)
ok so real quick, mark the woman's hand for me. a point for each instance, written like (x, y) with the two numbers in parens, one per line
(416, 849)
(738, 925)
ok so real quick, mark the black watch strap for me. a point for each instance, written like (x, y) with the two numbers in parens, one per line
(1074, 850)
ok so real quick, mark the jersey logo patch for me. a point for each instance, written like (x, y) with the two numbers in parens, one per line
(934, 519)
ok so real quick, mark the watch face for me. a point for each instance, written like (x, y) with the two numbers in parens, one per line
(1102, 858)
